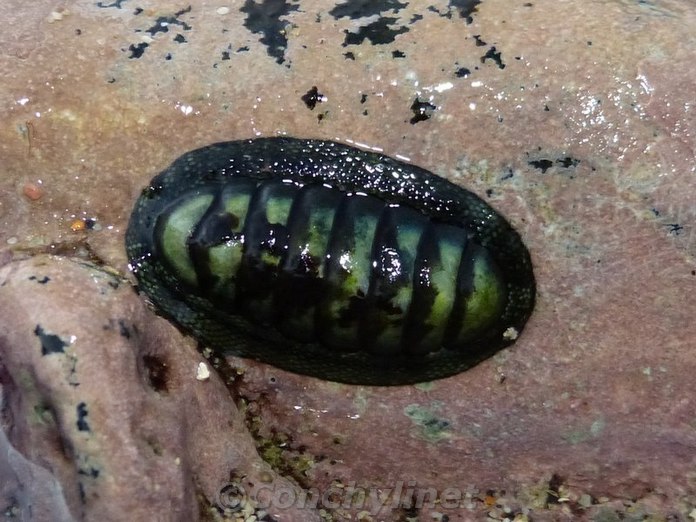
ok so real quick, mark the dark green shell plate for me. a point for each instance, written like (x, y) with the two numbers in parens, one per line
(329, 261)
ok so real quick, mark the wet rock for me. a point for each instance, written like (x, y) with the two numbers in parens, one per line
(590, 413)
(105, 409)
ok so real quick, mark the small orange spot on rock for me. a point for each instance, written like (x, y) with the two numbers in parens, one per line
(78, 225)
(32, 191)
(489, 500)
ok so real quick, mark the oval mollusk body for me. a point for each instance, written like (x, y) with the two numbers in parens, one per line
(330, 261)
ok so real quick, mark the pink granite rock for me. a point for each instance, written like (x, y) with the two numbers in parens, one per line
(574, 119)
(106, 413)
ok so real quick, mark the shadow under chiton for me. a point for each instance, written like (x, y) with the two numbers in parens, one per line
(329, 261)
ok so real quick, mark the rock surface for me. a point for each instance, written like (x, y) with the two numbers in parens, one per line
(105, 412)
(575, 120)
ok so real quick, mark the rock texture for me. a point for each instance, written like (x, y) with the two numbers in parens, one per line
(574, 120)
(105, 413)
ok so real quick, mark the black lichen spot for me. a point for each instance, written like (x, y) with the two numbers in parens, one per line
(157, 372)
(363, 98)
(168, 56)
(546, 108)
(528, 4)
(508, 174)
(543, 164)
(355, 9)
(265, 18)
(466, 8)
(116, 3)
(49, 343)
(163, 22)
(568, 162)
(675, 229)
(349, 55)
(90, 472)
(243, 49)
(422, 110)
(494, 55)
(378, 32)
(398, 54)
(225, 55)
(42, 281)
(415, 18)
(137, 11)
(312, 97)
(462, 72)
(123, 330)
(137, 50)
(82, 417)
(180, 38)
(479, 41)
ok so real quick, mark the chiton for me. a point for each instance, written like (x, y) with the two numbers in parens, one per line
(330, 261)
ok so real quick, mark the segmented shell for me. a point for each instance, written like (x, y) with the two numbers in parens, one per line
(329, 261)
